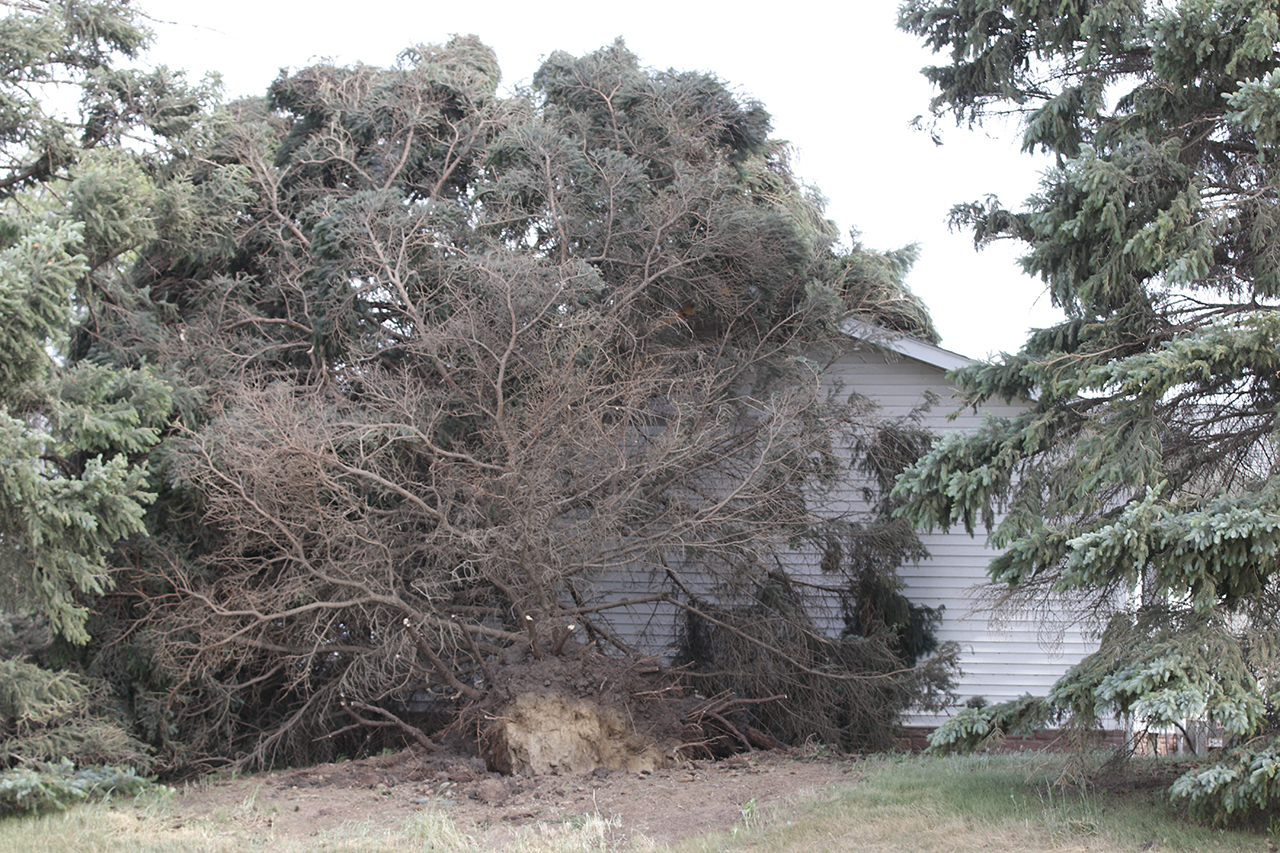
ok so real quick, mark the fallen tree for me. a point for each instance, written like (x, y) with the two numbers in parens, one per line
(461, 371)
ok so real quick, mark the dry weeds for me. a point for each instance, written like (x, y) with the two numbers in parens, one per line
(768, 803)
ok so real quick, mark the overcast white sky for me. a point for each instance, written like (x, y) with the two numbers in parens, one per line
(841, 83)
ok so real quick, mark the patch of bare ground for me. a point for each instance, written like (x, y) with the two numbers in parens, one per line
(664, 805)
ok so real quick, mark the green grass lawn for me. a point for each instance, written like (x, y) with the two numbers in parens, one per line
(980, 803)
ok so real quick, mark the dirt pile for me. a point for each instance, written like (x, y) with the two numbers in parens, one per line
(540, 733)
(577, 711)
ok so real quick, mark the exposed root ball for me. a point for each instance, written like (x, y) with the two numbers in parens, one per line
(578, 711)
(552, 733)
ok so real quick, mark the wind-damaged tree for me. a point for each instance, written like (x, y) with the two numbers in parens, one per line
(480, 372)
(1145, 473)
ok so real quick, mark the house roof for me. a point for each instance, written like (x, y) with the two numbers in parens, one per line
(944, 359)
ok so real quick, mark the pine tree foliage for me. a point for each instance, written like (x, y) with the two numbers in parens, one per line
(55, 53)
(54, 717)
(73, 206)
(458, 369)
(44, 786)
(979, 725)
(1145, 470)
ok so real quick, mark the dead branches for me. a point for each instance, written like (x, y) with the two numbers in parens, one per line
(710, 728)
(382, 718)
(496, 379)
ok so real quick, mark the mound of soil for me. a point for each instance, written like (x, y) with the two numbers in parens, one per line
(576, 711)
(552, 734)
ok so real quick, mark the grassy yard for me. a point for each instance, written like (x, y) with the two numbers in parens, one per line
(983, 803)
(977, 803)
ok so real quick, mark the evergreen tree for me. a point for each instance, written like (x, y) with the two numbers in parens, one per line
(473, 368)
(73, 206)
(75, 431)
(1144, 474)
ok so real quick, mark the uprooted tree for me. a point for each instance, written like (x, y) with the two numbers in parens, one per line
(466, 381)
(1145, 474)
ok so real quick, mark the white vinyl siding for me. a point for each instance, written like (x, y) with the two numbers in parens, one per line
(1002, 657)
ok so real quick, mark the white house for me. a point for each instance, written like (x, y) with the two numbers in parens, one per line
(1004, 654)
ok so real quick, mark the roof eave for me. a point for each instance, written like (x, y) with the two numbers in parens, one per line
(936, 356)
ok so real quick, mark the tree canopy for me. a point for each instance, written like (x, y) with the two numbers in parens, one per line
(1145, 472)
(76, 204)
(454, 373)
(73, 205)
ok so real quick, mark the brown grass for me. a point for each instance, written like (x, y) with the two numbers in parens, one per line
(981, 803)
